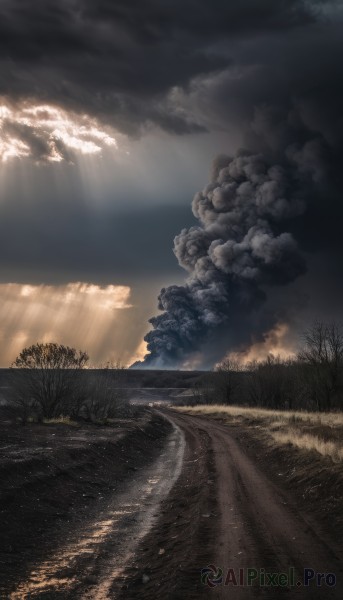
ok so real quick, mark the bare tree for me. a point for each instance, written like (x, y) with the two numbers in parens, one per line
(322, 357)
(294, 389)
(254, 384)
(106, 396)
(268, 382)
(227, 380)
(43, 378)
(203, 390)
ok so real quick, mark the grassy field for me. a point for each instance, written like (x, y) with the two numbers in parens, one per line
(308, 432)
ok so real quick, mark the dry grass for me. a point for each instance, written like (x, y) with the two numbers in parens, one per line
(306, 431)
(310, 442)
(61, 421)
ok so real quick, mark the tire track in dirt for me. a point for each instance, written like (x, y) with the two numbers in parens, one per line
(88, 564)
(205, 501)
(232, 516)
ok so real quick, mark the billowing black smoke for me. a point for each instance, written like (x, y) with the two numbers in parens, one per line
(252, 234)
(271, 212)
(239, 247)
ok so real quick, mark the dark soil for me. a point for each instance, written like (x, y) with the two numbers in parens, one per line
(237, 503)
(53, 476)
(316, 481)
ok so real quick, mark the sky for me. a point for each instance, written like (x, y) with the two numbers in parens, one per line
(170, 176)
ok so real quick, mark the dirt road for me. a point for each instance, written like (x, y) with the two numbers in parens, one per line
(226, 512)
(204, 503)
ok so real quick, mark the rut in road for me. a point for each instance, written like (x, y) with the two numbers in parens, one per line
(258, 526)
(92, 558)
(225, 511)
(205, 501)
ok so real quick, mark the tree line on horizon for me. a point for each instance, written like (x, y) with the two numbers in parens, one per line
(313, 380)
(49, 381)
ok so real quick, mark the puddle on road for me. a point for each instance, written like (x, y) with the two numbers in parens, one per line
(108, 543)
(48, 576)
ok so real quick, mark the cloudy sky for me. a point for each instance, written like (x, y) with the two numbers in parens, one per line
(114, 115)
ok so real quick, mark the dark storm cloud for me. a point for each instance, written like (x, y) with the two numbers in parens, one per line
(119, 60)
(265, 210)
(270, 69)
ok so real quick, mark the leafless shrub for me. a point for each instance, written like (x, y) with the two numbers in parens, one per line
(106, 398)
(322, 360)
(43, 381)
(227, 380)
(267, 383)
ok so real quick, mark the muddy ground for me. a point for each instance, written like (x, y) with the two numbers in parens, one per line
(136, 511)
(53, 477)
(237, 505)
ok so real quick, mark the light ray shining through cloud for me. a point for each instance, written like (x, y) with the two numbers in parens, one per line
(82, 315)
(48, 133)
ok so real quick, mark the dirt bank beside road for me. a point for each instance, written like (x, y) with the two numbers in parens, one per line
(54, 477)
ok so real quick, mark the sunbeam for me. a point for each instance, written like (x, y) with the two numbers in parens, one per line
(80, 314)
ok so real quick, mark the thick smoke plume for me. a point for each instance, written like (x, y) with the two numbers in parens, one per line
(252, 234)
(239, 246)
